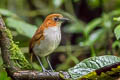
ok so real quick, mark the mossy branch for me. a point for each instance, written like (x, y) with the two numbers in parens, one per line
(16, 64)
(16, 55)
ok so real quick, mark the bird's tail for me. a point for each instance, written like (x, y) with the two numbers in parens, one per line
(31, 57)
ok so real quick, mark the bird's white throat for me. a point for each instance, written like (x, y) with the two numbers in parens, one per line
(52, 30)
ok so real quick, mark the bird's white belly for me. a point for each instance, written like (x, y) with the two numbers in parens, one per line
(50, 43)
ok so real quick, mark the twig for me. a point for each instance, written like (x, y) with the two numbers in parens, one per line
(36, 75)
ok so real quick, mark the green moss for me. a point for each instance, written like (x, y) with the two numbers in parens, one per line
(16, 55)
(9, 34)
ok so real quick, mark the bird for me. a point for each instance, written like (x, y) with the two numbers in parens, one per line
(47, 38)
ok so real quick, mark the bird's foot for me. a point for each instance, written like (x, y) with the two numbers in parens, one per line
(48, 71)
(45, 70)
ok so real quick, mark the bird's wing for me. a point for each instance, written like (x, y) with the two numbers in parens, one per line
(36, 39)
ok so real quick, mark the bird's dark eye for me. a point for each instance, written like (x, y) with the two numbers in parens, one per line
(56, 19)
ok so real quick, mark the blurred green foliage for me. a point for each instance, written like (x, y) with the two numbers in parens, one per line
(3, 75)
(24, 16)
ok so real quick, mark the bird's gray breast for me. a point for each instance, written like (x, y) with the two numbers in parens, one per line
(50, 43)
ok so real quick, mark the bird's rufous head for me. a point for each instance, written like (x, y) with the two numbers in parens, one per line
(53, 20)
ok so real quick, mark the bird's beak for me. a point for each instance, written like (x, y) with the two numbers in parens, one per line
(63, 19)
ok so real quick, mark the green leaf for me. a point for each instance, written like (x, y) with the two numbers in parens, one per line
(74, 28)
(116, 18)
(91, 25)
(36, 66)
(57, 3)
(1, 62)
(117, 32)
(6, 12)
(116, 44)
(93, 3)
(3, 76)
(115, 12)
(21, 27)
(87, 66)
(106, 21)
(92, 38)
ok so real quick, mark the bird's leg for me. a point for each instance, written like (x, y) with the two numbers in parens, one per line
(49, 63)
(43, 68)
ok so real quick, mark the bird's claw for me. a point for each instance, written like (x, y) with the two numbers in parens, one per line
(48, 71)
(44, 70)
